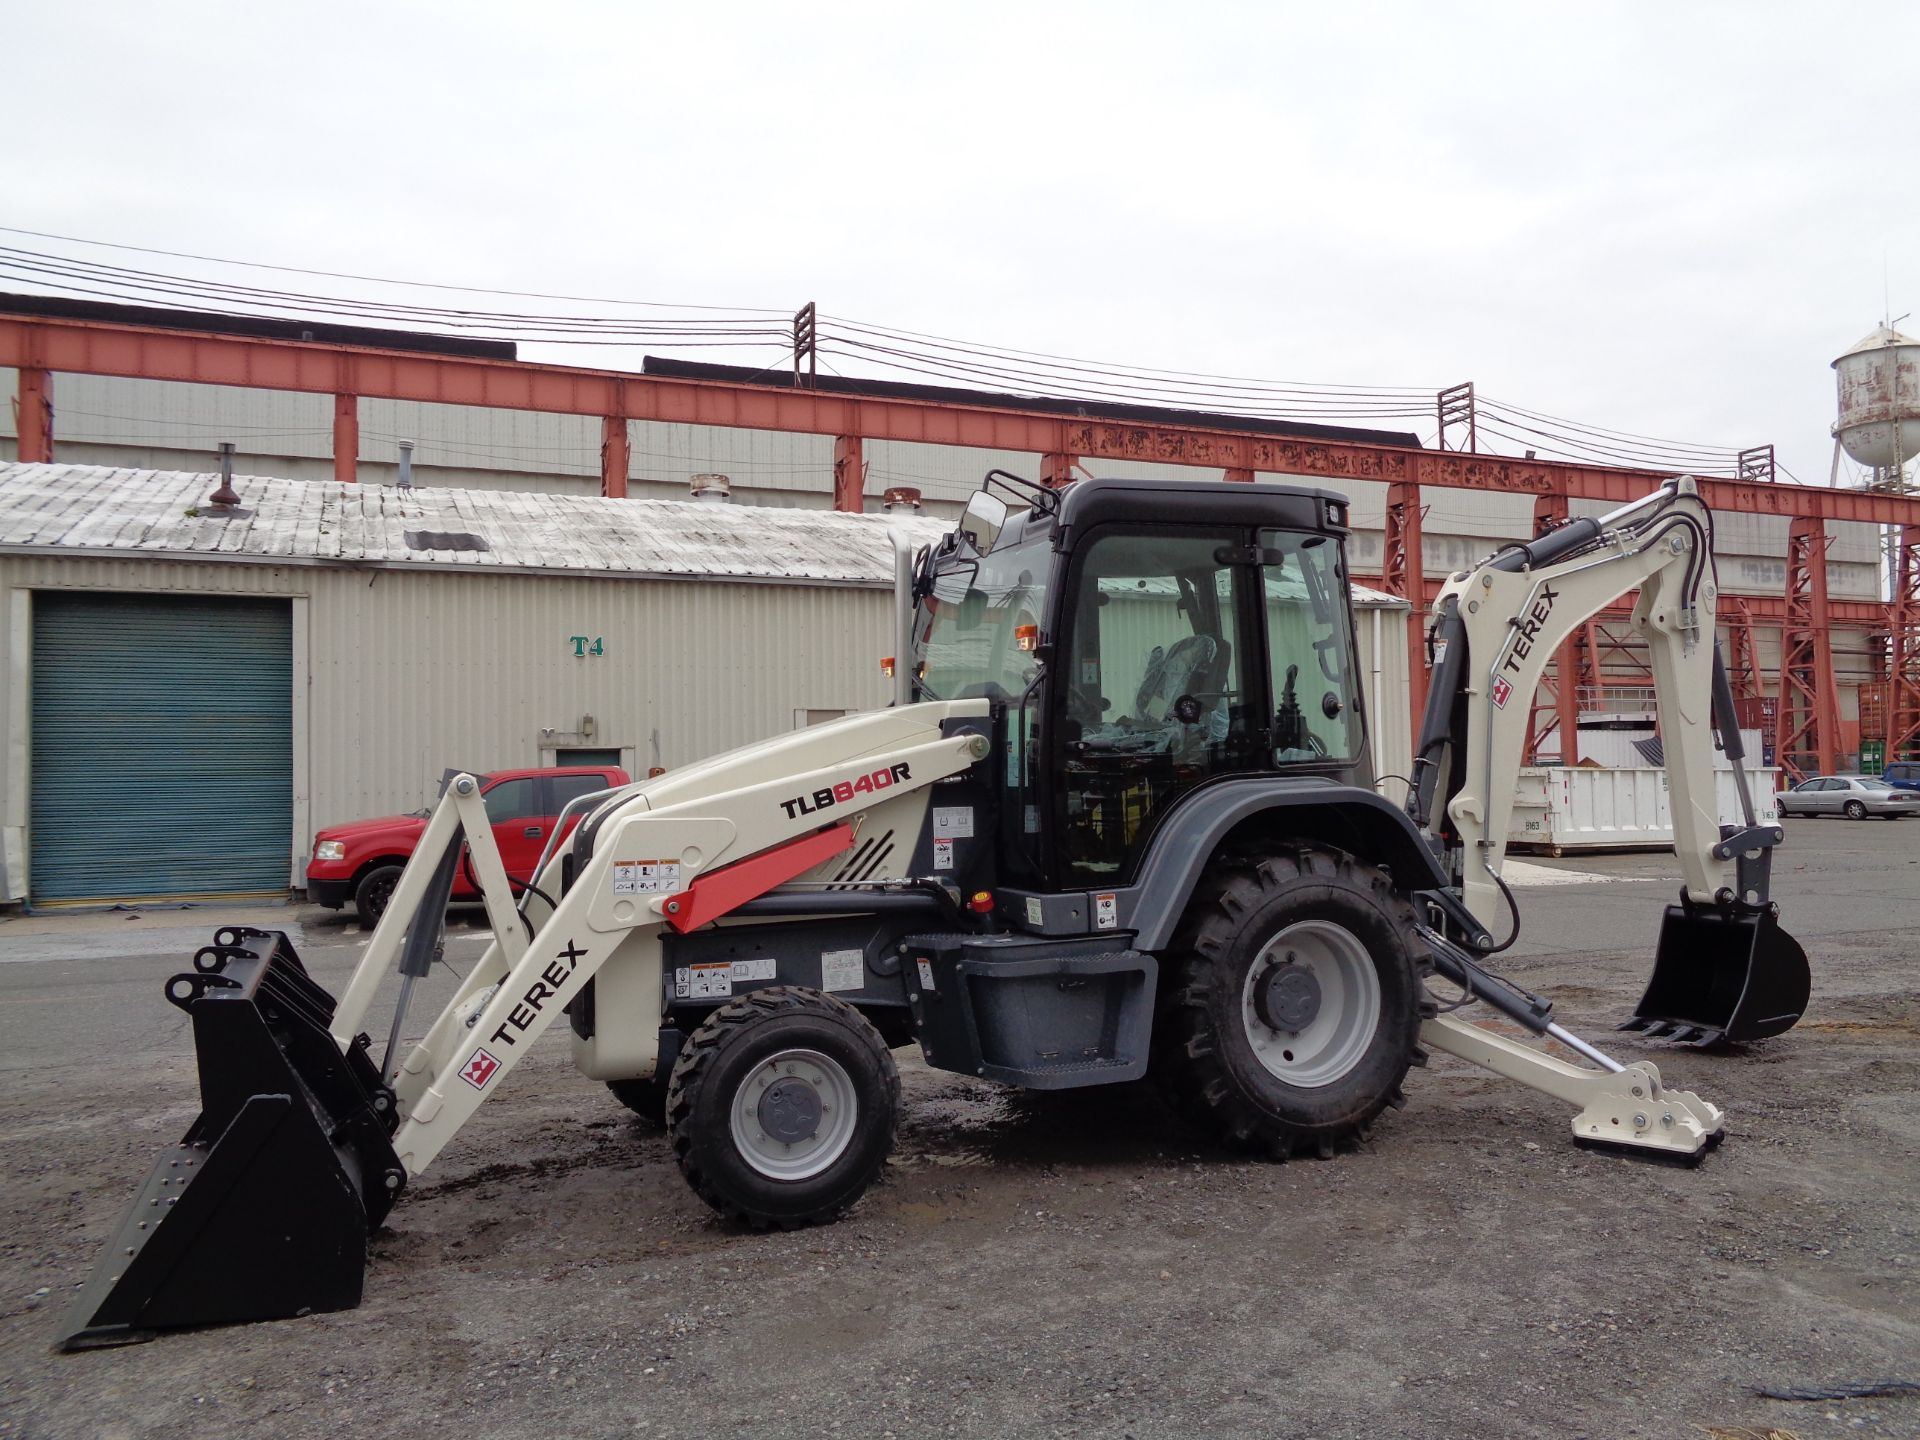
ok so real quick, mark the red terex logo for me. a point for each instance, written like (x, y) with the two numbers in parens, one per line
(1502, 692)
(479, 1069)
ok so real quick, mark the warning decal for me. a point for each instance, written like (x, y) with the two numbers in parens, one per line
(479, 1069)
(705, 982)
(1106, 912)
(843, 970)
(953, 822)
(645, 877)
(943, 854)
(1502, 692)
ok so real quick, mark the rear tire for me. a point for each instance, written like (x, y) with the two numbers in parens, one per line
(1295, 1002)
(375, 889)
(1855, 810)
(782, 1107)
(646, 1098)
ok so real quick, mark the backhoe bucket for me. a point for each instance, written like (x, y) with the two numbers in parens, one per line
(262, 1210)
(1723, 976)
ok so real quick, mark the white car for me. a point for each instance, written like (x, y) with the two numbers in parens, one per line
(1854, 796)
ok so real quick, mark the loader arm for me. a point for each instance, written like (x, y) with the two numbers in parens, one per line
(648, 869)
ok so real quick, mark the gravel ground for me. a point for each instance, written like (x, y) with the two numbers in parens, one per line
(1040, 1265)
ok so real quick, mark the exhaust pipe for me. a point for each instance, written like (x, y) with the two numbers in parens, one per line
(263, 1209)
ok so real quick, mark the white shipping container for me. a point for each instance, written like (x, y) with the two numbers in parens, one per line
(1558, 808)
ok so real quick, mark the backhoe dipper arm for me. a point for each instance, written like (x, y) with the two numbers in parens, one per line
(1503, 620)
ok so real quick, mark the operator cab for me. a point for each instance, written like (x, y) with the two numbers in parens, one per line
(1141, 638)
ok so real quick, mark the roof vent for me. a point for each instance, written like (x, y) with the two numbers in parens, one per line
(905, 496)
(711, 489)
(447, 540)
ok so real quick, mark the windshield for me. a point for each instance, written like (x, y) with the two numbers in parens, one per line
(965, 640)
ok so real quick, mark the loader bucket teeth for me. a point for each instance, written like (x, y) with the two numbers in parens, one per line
(1723, 976)
(262, 1210)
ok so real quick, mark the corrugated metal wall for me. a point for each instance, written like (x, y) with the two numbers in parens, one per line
(164, 425)
(425, 671)
(408, 672)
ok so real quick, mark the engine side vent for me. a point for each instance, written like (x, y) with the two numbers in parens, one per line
(865, 862)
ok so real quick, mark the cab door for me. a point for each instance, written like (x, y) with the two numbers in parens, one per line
(1159, 688)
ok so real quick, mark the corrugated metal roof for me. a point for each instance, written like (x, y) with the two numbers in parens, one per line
(95, 510)
(83, 508)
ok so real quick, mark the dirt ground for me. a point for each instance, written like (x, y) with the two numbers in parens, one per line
(1050, 1265)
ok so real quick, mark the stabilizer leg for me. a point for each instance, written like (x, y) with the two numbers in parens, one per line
(1629, 1108)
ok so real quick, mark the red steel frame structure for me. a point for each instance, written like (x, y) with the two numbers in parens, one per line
(39, 347)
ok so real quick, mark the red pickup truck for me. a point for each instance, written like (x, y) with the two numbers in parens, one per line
(359, 862)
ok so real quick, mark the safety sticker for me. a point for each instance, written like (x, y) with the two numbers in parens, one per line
(479, 1069)
(943, 854)
(645, 877)
(843, 970)
(953, 822)
(704, 982)
(1106, 912)
(1502, 692)
(926, 974)
(744, 970)
(1036, 913)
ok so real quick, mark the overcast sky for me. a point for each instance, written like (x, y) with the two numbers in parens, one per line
(1663, 218)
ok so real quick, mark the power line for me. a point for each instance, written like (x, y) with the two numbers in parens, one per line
(384, 280)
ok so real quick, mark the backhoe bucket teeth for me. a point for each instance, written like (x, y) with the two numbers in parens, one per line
(1723, 976)
(262, 1210)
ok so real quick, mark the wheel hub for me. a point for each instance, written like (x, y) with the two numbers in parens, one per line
(794, 1114)
(1287, 997)
(789, 1110)
(1310, 1003)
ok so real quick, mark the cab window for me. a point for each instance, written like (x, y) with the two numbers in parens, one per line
(1310, 648)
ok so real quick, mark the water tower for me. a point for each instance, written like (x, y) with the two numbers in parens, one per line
(1879, 424)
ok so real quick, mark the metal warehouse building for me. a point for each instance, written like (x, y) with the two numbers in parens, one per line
(187, 695)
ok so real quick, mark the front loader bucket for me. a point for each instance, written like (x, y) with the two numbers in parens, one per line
(262, 1210)
(1723, 975)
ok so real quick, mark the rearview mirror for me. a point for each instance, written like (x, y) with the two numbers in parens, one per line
(982, 521)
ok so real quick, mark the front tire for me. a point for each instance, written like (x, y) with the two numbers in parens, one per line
(782, 1107)
(1295, 1004)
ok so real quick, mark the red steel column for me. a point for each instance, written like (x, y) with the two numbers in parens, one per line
(1403, 572)
(849, 474)
(1239, 474)
(36, 416)
(1807, 727)
(616, 456)
(1056, 470)
(346, 438)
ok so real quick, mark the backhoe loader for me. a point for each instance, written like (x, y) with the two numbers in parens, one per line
(1118, 822)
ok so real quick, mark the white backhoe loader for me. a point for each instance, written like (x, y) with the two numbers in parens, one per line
(1119, 822)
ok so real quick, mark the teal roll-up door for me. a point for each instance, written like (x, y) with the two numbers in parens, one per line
(162, 746)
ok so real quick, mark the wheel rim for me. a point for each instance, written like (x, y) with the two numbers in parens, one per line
(794, 1114)
(1855, 810)
(379, 893)
(1319, 976)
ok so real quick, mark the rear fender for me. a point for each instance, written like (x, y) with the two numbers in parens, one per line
(1251, 813)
